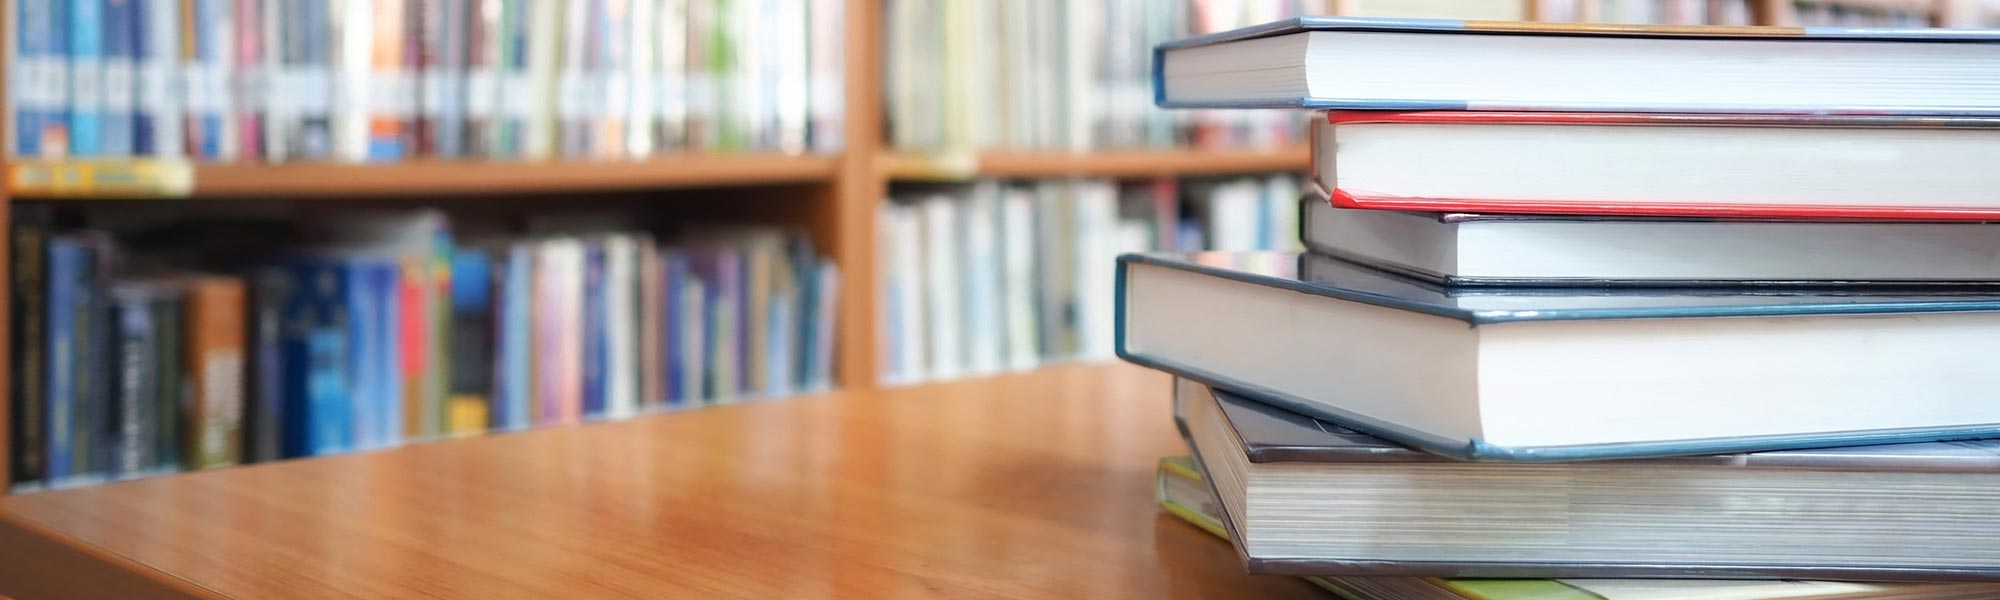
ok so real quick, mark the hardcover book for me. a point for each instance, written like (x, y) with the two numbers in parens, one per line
(1477, 249)
(1183, 492)
(1530, 374)
(1302, 496)
(1816, 167)
(1434, 64)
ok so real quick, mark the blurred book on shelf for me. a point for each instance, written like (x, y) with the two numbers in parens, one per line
(993, 276)
(390, 80)
(1042, 74)
(149, 346)
(1642, 12)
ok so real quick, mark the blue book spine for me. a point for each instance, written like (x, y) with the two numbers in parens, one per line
(316, 415)
(206, 79)
(595, 340)
(739, 294)
(808, 322)
(67, 262)
(130, 422)
(145, 55)
(518, 344)
(121, 38)
(386, 393)
(358, 302)
(86, 80)
(674, 284)
(37, 78)
(156, 117)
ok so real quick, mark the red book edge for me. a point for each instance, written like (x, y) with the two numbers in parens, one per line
(1347, 117)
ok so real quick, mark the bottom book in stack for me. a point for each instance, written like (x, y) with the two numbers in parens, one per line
(1184, 493)
(1301, 496)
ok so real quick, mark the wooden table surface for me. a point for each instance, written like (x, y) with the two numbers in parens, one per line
(1020, 486)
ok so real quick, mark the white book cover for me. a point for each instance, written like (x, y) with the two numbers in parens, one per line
(352, 64)
(1096, 205)
(621, 373)
(910, 294)
(574, 101)
(694, 341)
(984, 317)
(1017, 229)
(610, 78)
(889, 311)
(1281, 209)
(671, 91)
(944, 298)
(279, 104)
(160, 78)
(1084, 32)
(533, 98)
(827, 82)
(642, 68)
(789, 96)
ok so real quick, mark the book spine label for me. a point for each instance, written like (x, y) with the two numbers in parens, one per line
(86, 82)
(29, 353)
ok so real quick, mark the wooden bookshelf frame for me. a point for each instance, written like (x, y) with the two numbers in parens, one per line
(845, 190)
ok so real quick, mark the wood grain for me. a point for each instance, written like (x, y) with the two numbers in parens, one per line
(476, 177)
(1025, 486)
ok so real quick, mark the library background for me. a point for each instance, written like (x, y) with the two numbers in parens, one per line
(246, 231)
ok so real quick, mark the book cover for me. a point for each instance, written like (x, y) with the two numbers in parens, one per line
(314, 338)
(675, 341)
(361, 318)
(68, 315)
(91, 414)
(594, 336)
(28, 350)
(86, 27)
(248, 79)
(156, 127)
(609, 79)
(514, 382)
(1319, 276)
(537, 95)
(38, 74)
(826, 78)
(651, 308)
(671, 95)
(472, 345)
(622, 376)
(391, 95)
(485, 56)
(215, 361)
(129, 427)
(721, 271)
(121, 39)
(264, 411)
(171, 396)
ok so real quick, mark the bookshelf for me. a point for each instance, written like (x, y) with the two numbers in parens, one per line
(841, 193)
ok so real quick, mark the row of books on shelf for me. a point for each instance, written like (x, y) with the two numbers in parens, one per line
(383, 331)
(388, 80)
(991, 276)
(1046, 74)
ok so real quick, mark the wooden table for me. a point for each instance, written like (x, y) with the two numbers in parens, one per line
(1023, 486)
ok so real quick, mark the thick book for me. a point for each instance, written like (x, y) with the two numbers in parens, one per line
(1478, 249)
(1183, 492)
(1746, 165)
(1537, 374)
(1433, 64)
(1302, 496)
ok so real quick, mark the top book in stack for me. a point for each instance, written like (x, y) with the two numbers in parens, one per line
(1425, 64)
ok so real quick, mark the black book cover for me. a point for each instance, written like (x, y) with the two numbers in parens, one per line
(29, 239)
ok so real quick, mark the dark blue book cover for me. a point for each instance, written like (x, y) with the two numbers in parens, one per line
(264, 410)
(315, 347)
(473, 350)
(130, 423)
(595, 338)
(674, 339)
(68, 293)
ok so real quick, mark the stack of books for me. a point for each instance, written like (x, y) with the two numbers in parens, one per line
(1678, 305)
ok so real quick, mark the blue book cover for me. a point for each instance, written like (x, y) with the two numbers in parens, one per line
(721, 271)
(121, 39)
(384, 280)
(207, 79)
(807, 322)
(316, 368)
(86, 81)
(674, 284)
(68, 283)
(513, 386)
(129, 426)
(156, 64)
(595, 339)
(1449, 324)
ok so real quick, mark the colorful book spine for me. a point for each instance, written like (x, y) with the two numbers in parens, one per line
(472, 342)
(247, 79)
(157, 117)
(559, 331)
(204, 25)
(514, 372)
(390, 93)
(86, 27)
(215, 345)
(412, 333)
(39, 79)
(129, 433)
(28, 351)
(264, 412)
(595, 340)
(121, 38)
(315, 346)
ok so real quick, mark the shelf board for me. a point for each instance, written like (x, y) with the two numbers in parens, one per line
(1111, 163)
(486, 177)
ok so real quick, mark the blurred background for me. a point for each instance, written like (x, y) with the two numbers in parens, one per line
(250, 230)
